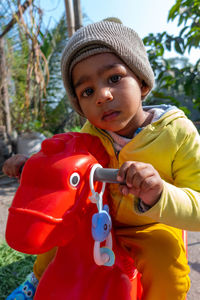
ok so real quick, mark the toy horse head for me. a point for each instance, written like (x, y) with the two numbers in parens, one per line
(53, 192)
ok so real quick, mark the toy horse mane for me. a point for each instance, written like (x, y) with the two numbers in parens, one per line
(85, 143)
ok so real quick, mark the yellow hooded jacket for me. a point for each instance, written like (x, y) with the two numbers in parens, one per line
(172, 146)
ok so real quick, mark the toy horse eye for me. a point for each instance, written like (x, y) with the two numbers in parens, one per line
(74, 179)
(105, 226)
(29, 293)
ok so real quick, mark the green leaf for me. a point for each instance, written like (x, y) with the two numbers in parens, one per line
(168, 44)
(183, 30)
(178, 45)
(174, 11)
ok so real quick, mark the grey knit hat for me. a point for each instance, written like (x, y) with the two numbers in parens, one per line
(101, 37)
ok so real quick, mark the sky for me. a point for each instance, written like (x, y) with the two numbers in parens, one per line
(144, 16)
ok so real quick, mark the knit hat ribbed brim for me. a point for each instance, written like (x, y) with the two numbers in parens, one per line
(105, 37)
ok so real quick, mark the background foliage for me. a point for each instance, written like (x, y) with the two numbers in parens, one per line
(14, 266)
(177, 80)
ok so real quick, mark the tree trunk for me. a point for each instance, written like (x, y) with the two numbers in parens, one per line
(5, 118)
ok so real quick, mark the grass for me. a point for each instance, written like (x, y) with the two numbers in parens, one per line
(14, 267)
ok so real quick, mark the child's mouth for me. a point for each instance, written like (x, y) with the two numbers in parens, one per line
(110, 115)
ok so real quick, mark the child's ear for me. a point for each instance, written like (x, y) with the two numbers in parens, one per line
(144, 89)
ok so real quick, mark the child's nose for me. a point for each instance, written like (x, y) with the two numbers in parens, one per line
(104, 95)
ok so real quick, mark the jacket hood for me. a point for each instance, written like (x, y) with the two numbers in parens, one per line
(167, 113)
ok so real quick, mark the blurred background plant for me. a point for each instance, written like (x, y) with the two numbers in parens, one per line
(14, 266)
(177, 80)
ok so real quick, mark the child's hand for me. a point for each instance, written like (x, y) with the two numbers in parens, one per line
(142, 180)
(13, 165)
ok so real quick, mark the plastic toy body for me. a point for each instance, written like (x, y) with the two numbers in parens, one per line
(101, 225)
(51, 208)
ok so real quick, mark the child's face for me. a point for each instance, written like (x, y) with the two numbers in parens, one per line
(109, 93)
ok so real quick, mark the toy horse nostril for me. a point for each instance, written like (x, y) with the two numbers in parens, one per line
(52, 146)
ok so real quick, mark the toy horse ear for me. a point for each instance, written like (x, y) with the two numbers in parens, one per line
(106, 208)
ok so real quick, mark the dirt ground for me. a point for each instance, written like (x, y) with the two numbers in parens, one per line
(8, 187)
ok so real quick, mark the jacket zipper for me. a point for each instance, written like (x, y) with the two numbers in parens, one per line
(101, 131)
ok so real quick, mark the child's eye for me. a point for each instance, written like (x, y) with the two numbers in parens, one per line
(115, 78)
(87, 92)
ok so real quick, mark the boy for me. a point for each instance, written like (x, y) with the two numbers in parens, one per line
(107, 74)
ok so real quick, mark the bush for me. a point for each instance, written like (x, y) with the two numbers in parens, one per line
(14, 267)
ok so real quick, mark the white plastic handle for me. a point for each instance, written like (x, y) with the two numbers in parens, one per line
(100, 259)
(104, 256)
(96, 197)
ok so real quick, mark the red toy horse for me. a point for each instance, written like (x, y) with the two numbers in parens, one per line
(52, 208)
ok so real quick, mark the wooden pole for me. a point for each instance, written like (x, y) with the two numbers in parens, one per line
(74, 22)
(77, 14)
(70, 17)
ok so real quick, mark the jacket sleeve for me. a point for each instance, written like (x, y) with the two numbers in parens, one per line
(179, 205)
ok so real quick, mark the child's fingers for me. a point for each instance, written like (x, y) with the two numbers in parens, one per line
(141, 180)
(124, 190)
(6, 169)
(121, 177)
(152, 182)
(133, 173)
(150, 189)
(137, 173)
(9, 170)
(13, 165)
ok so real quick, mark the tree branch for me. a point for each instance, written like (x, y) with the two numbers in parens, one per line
(14, 20)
